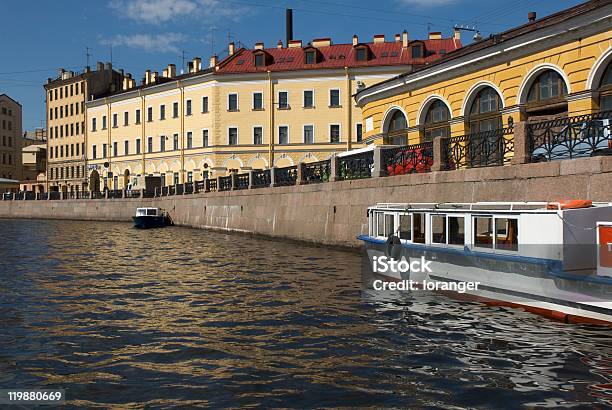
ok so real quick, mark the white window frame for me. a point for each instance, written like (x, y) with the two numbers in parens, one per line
(304, 99)
(304, 134)
(339, 132)
(288, 133)
(237, 102)
(202, 135)
(263, 103)
(330, 99)
(237, 134)
(278, 93)
(262, 133)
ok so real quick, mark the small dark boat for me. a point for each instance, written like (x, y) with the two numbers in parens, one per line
(147, 218)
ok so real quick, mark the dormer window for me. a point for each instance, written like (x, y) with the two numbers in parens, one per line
(260, 61)
(311, 57)
(417, 51)
(362, 52)
(262, 58)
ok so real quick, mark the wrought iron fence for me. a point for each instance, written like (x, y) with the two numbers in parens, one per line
(29, 195)
(211, 185)
(316, 172)
(18, 196)
(132, 194)
(225, 183)
(407, 159)
(357, 166)
(179, 189)
(570, 137)
(54, 195)
(188, 188)
(482, 149)
(285, 176)
(115, 194)
(241, 181)
(261, 179)
(199, 186)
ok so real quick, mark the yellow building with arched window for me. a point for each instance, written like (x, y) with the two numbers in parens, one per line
(557, 66)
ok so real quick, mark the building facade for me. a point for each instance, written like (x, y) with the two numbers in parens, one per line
(255, 109)
(66, 118)
(10, 138)
(554, 67)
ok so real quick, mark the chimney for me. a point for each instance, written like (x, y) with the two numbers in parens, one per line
(259, 46)
(355, 39)
(154, 76)
(87, 69)
(279, 44)
(171, 71)
(99, 66)
(379, 38)
(197, 64)
(289, 25)
(531, 16)
(321, 42)
(231, 49)
(165, 73)
(295, 44)
(109, 66)
(404, 39)
(213, 61)
(457, 34)
(147, 77)
(398, 38)
(121, 72)
(435, 35)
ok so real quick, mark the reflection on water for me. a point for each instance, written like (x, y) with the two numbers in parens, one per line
(118, 316)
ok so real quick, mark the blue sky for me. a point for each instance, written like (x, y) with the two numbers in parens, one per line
(38, 37)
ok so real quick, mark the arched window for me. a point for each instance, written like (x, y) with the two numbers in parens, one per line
(436, 121)
(546, 95)
(605, 89)
(485, 111)
(396, 130)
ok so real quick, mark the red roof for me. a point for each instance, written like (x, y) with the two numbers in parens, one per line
(338, 56)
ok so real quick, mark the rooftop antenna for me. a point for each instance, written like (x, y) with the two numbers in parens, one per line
(212, 39)
(473, 29)
(183, 57)
(87, 55)
(111, 53)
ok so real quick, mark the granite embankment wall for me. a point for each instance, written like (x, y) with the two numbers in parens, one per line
(335, 213)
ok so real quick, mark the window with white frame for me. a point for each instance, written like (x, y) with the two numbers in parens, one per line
(308, 134)
(334, 133)
(283, 134)
(204, 104)
(232, 102)
(283, 100)
(258, 135)
(308, 99)
(334, 98)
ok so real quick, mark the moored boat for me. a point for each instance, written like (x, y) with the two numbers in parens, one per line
(147, 218)
(544, 257)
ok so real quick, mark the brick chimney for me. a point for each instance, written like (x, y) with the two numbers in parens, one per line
(171, 71)
(214, 61)
(405, 39)
(435, 35)
(279, 44)
(398, 38)
(147, 76)
(295, 44)
(456, 34)
(355, 39)
(259, 45)
(231, 48)
(196, 65)
(379, 38)
(531, 16)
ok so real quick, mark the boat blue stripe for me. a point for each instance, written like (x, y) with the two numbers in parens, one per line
(555, 267)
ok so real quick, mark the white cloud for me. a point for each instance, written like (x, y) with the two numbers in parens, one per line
(164, 43)
(161, 11)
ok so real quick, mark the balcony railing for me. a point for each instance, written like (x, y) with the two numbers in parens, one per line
(211, 185)
(483, 149)
(115, 194)
(407, 159)
(225, 183)
(356, 166)
(570, 137)
(261, 179)
(285, 176)
(316, 172)
(241, 181)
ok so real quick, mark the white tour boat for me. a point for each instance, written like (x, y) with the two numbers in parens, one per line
(554, 259)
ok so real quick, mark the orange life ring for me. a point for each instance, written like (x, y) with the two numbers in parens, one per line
(570, 204)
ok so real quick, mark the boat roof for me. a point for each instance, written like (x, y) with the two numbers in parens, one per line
(140, 209)
(544, 207)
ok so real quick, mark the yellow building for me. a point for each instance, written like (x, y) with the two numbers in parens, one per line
(557, 66)
(253, 110)
(10, 138)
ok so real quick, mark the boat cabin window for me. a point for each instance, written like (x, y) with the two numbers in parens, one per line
(418, 227)
(483, 231)
(380, 224)
(456, 230)
(152, 212)
(389, 224)
(506, 234)
(438, 229)
(405, 225)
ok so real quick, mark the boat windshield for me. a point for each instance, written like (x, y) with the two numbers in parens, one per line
(152, 212)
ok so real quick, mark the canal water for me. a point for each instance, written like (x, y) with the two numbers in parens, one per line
(181, 317)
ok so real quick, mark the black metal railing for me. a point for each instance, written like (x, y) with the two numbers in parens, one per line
(285, 176)
(30, 195)
(54, 195)
(241, 181)
(134, 193)
(261, 179)
(482, 149)
(211, 185)
(115, 194)
(179, 189)
(316, 172)
(407, 159)
(357, 166)
(570, 137)
(188, 190)
(199, 186)
(225, 183)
